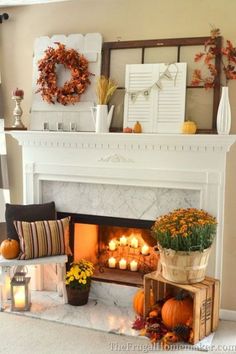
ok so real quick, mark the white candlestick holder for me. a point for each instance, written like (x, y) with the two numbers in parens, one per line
(17, 113)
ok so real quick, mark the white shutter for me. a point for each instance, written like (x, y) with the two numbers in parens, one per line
(139, 77)
(163, 110)
(171, 99)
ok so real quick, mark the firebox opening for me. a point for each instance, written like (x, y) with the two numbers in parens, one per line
(122, 250)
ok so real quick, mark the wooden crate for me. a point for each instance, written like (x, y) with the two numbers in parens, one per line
(206, 300)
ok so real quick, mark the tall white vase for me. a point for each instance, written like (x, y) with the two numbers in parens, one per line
(223, 122)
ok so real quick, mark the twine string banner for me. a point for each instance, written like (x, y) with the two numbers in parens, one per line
(166, 75)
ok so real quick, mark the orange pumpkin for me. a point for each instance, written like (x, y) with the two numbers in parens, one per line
(138, 301)
(137, 128)
(189, 127)
(127, 130)
(177, 310)
(10, 248)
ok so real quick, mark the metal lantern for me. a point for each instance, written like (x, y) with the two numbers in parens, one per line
(20, 292)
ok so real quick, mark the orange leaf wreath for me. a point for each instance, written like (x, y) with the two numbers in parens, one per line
(72, 89)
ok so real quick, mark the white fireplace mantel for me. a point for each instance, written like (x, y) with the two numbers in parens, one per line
(191, 163)
(157, 142)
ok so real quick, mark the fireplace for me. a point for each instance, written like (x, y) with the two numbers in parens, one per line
(122, 249)
(136, 176)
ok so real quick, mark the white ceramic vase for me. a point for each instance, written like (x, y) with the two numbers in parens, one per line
(223, 121)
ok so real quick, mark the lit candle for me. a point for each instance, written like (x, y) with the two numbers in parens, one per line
(112, 245)
(134, 242)
(133, 266)
(19, 298)
(123, 241)
(112, 262)
(122, 264)
(145, 250)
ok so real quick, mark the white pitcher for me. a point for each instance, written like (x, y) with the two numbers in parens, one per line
(102, 119)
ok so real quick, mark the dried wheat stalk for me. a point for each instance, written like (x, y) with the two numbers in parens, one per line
(105, 87)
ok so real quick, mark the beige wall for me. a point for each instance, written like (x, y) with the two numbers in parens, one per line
(126, 19)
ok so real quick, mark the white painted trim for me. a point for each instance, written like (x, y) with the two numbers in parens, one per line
(227, 315)
(120, 141)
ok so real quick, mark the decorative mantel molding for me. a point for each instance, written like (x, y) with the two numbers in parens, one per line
(120, 141)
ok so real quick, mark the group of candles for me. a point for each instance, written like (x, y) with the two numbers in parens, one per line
(134, 243)
(123, 264)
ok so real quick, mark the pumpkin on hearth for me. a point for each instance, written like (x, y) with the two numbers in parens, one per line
(10, 248)
(138, 301)
(177, 310)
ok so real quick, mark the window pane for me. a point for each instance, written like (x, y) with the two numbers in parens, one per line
(121, 57)
(118, 100)
(187, 55)
(160, 55)
(199, 107)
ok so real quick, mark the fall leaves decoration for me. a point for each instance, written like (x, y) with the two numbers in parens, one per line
(226, 55)
(168, 327)
(72, 89)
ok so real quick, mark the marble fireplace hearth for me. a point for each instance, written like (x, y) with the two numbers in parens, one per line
(109, 315)
(127, 176)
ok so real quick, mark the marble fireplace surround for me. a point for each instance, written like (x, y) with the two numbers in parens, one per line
(127, 175)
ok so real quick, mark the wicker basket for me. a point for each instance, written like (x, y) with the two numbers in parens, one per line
(183, 267)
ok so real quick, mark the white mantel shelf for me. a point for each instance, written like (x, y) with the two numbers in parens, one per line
(160, 142)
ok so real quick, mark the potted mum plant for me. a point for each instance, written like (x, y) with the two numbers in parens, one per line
(184, 239)
(78, 281)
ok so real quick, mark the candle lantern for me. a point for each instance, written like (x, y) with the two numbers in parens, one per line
(20, 292)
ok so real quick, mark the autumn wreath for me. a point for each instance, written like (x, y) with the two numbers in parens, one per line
(72, 89)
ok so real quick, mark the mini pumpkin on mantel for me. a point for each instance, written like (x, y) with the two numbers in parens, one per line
(10, 249)
(189, 127)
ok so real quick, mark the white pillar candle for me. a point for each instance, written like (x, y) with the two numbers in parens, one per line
(134, 242)
(112, 262)
(123, 241)
(112, 245)
(122, 264)
(133, 266)
(19, 297)
(145, 250)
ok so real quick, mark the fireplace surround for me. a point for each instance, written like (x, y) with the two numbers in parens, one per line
(127, 175)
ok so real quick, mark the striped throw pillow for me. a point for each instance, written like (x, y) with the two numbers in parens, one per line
(42, 238)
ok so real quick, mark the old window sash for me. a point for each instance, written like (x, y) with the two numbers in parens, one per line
(179, 43)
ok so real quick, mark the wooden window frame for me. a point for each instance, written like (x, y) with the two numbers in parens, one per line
(169, 42)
